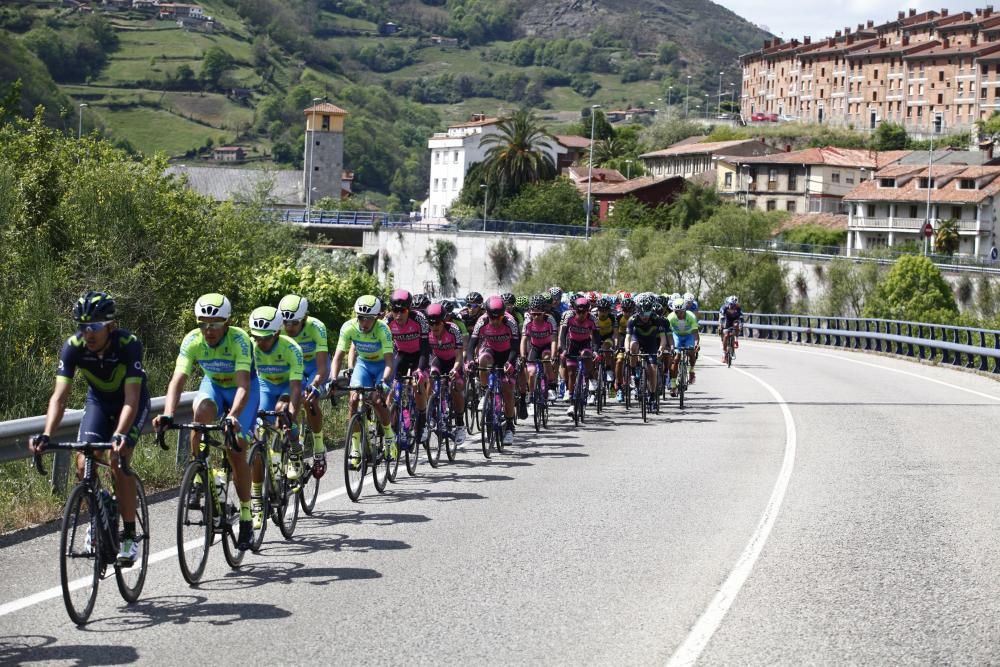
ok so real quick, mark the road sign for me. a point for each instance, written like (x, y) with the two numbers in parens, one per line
(994, 253)
(928, 229)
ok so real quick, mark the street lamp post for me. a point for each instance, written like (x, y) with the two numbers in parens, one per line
(687, 95)
(718, 101)
(670, 95)
(628, 168)
(79, 129)
(590, 166)
(486, 199)
(312, 151)
(707, 108)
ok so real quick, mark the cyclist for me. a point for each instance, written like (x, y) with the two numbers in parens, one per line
(420, 303)
(691, 304)
(446, 343)
(607, 323)
(684, 327)
(730, 322)
(372, 340)
(646, 335)
(117, 403)
(510, 302)
(621, 332)
(451, 312)
(556, 305)
(538, 341)
(472, 312)
(578, 336)
(409, 336)
(228, 387)
(311, 336)
(497, 332)
(279, 365)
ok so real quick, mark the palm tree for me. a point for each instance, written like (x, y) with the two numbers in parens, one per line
(607, 150)
(516, 154)
(946, 237)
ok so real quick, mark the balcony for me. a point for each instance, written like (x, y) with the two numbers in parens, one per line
(913, 225)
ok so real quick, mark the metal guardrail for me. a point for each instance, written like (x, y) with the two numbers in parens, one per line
(957, 346)
(15, 433)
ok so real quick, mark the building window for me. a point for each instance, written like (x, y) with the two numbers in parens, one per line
(437, 157)
(849, 179)
(790, 206)
(454, 157)
(956, 212)
(913, 210)
(729, 180)
(792, 180)
(887, 182)
(454, 184)
(941, 75)
(772, 175)
(436, 181)
(315, 168)
(871, 210)
(967, 184)
(924, 183)
(835, 177)
(772, 205)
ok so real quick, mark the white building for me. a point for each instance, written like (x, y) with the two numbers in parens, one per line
(455, 151)
(452, 153)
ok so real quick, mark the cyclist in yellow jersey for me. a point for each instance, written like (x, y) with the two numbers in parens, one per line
(372, 341)
(224, 354)
(607, 324)
(311, 335)
(621, 331)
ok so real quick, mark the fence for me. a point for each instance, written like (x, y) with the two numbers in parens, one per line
(14, 435)
(956, 346)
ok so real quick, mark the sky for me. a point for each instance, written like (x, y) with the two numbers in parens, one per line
(796, 18)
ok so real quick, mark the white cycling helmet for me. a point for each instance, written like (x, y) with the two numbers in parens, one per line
(293, 307)
(213, 305)
(674, 296)
(368, 305)
(677, 304)
(688, 297)
(265, 321)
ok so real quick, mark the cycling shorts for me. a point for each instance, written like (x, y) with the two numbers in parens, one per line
(223, 398)
(270, 394)
(309, 375)
(499, 358)
(367, 373)
(536, 352)
(575, 348)
(100, 419)
(683, 341)
(405, 364)
(445, 366)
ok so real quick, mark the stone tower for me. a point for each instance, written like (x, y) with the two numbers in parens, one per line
(323, 162)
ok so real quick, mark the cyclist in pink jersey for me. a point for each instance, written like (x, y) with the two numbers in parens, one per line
(447, 353)
(495, 339)
(578, 336)
(410, 338)
(538, 341)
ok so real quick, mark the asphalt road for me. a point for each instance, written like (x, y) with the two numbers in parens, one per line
(810, 506)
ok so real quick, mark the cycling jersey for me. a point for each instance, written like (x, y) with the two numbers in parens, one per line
(691, 306)
(312, 338)
(540, 334)
(461, 326)
(220, 362)
(468, 319)
(607, 326)
(282, 364)
(371, 346)
(447, 345)
(729, 315)
(518, 317)
(107, 372)
(682, 327)
(621, 320)
(500, 337)
(410, 337)
(646, 330)
(573, 328)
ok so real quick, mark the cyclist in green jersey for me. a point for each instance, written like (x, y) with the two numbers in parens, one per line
(278, 361)
(684, 327)
(310, 334)
(372, 340)
(229, 387)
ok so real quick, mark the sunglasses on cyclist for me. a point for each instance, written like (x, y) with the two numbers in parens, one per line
(92, 327)
(434, 322)
(646, 313)
(398, 309)
(537, 313)
(366, 318)
(211, 326)
(495, 314)
(260, 337)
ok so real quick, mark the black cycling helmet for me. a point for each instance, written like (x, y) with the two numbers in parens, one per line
(509, 299)
(94, 307)
(604, 303)
(627, 303)
(538, 302)
(474, 299)
(421, 301)
(555, 293)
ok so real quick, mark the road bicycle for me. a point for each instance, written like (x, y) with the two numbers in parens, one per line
(308, 484)
(441, 420)
(491, 428)
(208, 504)
(92, 532)
(405, 408)
(682, 373)
(373, 450)
(601, 380)
(271, 455)
(729, 346)
(579, 394)
(540, 396)
(473, 418)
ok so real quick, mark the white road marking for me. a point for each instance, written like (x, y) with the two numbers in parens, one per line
(164, 554)
(706, 626)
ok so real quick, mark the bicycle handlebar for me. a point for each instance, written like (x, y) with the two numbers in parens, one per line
(204, 429)
(86, 448)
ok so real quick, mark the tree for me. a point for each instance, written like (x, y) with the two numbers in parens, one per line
(848, 287)
(441, 257)
(555, 202)
(516, 155)
(889, 137)
(666, 53)
(915, 290)
(946, 237)
(215, 63)
(668, 131)
(696, 203)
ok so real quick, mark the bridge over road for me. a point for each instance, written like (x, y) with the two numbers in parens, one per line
(810, 505)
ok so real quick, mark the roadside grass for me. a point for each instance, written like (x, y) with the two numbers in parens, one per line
(27, 499)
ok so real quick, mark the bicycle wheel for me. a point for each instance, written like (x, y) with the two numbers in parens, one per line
(450, 446)
(471, 406)
(287, 505)
(194, 522)
(627, 377)
(379, 452)
(499, 420)
(434, 443)
(308, 485)
(355, 460)
(231, 522)
(486, 428)
(602, 392)
(131, 579)
(640, 393)
(413, 453)
(80, 560)
(259, 461)
(536, 402)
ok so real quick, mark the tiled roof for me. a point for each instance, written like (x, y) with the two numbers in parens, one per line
(948, 156)
(225, 184)
(476, 123)
(939, 49)
(626, 187)
(827, 220)
(599, 175)
(947, 192)
(571, 141)
(697, 149)
(325, 107)
(829, 155)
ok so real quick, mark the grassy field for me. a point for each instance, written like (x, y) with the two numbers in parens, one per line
(153, 130)
(212, 108)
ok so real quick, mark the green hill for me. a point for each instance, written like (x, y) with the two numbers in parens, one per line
(402, 68)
